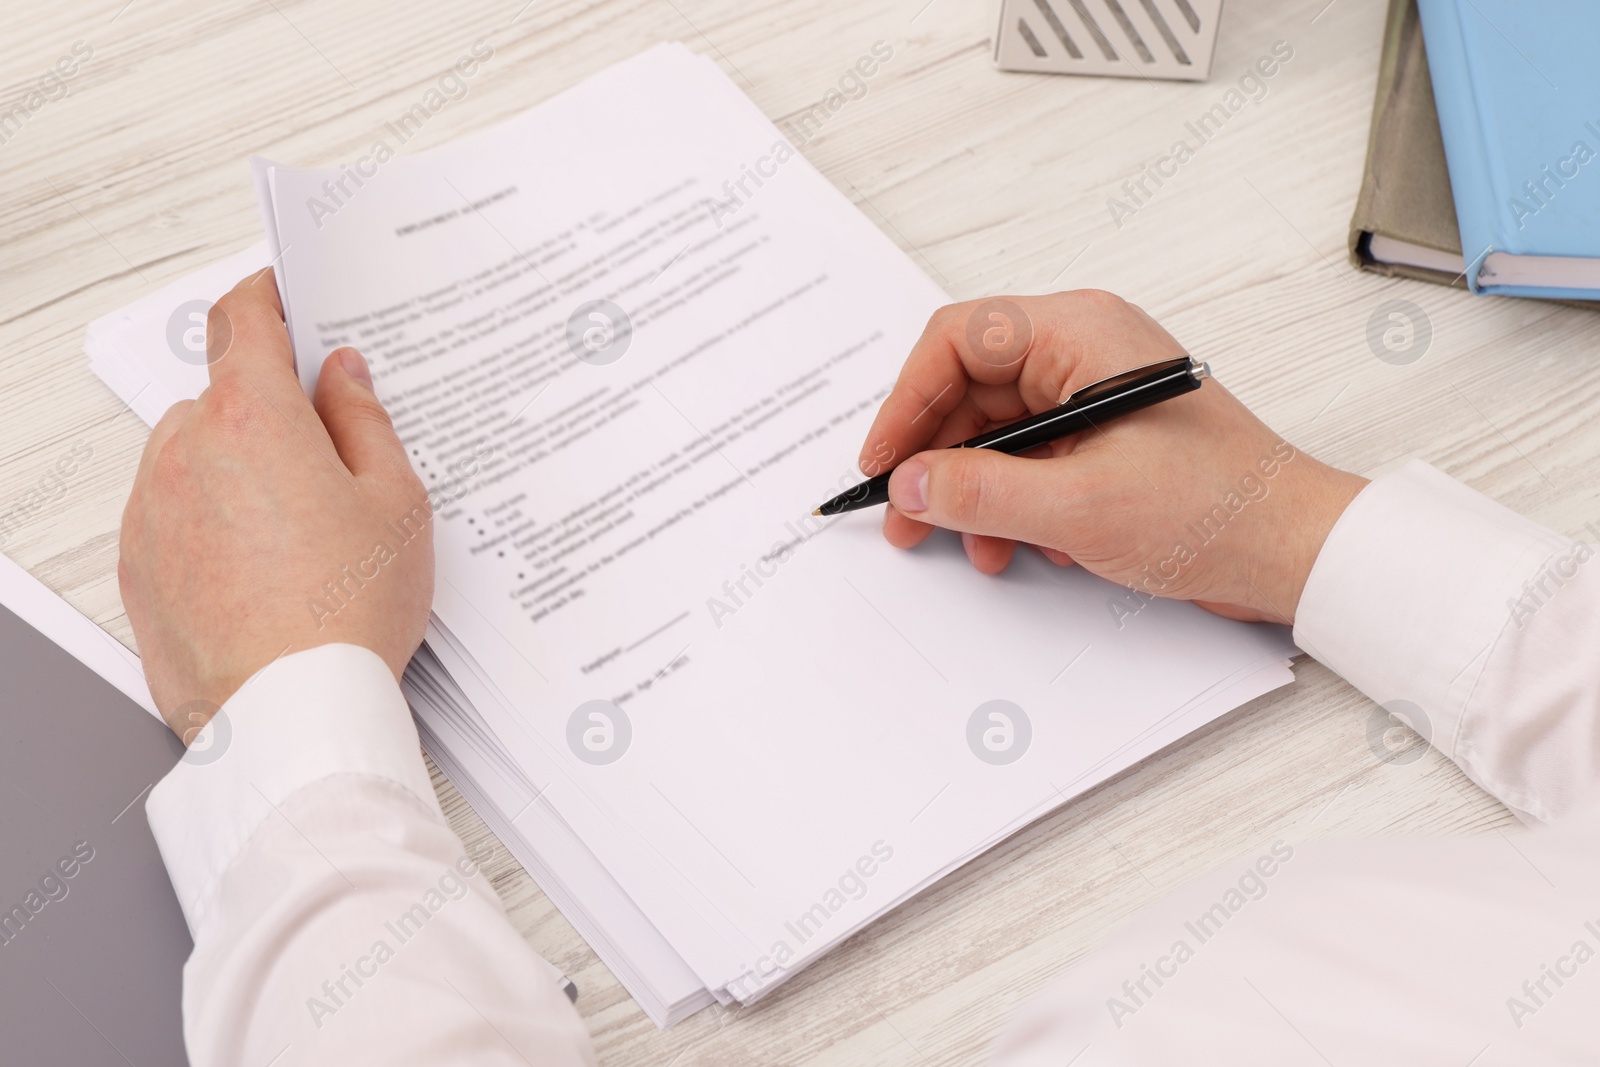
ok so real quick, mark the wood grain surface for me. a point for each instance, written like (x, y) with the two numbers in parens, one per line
(991, 182)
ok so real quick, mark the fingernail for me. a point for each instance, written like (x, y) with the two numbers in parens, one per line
(970, 543)
(355, 366)
(908, 486)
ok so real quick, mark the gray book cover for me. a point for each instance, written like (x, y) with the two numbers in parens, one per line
(1405, 191)
(92, 941)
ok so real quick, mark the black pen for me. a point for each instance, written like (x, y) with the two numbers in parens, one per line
(1093, 404)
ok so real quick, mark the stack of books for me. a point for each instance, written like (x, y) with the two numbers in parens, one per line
(1490, 182)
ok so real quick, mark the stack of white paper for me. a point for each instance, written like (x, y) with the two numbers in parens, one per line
(631, 339)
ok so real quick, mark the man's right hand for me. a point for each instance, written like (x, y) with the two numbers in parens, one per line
(1192, 499)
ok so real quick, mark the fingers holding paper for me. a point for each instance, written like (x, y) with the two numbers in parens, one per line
(246, 336)
(357, 422)
(1193, 499)
(259, 524)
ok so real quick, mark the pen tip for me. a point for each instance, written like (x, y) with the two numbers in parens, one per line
(816, 511)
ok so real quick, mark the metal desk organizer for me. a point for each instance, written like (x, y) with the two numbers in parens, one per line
(1118, 38)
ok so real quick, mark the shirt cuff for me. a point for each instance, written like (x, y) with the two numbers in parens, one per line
(1413, 588)
(330, 710)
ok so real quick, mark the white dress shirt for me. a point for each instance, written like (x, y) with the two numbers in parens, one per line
(337, 919)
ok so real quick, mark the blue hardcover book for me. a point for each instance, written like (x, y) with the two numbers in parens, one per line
(1517, 84)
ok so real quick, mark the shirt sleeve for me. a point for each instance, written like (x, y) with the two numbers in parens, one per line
(1449, 950)
(1475, 622)
(336, 918)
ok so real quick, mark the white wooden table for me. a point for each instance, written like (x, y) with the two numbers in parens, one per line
(992, 182)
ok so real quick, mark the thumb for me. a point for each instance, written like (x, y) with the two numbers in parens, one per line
(355, 418)
(980, 491)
